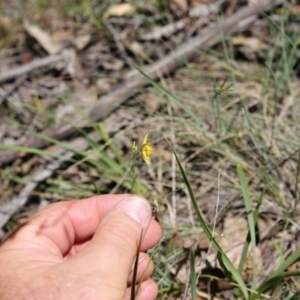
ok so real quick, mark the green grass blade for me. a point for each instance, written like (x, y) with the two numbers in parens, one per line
(106, 159)
(173, 98)
(250, 215)
(277, 275)
(296, 184)
(247, 243)
(135, 270)
(273, 280)
(31, 150)
(133, 175)
(225, 260)
(111, 145)
(248, 239)
(193, 277)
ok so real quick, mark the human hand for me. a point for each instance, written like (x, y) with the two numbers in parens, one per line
(81, 249)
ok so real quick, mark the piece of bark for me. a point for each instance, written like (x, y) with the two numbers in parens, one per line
(210, 36)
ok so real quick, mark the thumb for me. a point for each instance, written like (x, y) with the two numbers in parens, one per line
(111, 252)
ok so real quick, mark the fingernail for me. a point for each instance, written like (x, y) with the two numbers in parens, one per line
(137, 208)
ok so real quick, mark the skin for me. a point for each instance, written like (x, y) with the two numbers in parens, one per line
(81, 249)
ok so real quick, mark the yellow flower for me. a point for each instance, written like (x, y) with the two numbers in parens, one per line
(146, 149)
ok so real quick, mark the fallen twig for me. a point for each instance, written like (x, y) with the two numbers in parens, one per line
(203, 17)
(15, 85)
(35, 64)
(118, 42)
(134, 81)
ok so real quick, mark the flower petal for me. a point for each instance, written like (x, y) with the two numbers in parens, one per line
(145, 140)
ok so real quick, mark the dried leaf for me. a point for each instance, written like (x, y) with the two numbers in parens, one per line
(5, 22)
(81, 41)
(265, 225)
(253, 43)
(113, 64)
(179, 7)
(103, 84)
(235, 230)
(195, 3)
(184, 243)
(62, 35)
(204, 9)
(295, 9)
(43, 38)
(119, 10)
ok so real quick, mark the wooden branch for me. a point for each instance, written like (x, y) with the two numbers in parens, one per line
(15, 85)
(134, 81)
(35, 64)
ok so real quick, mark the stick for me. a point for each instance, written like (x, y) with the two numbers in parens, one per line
(35, 64)
(15, 85)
